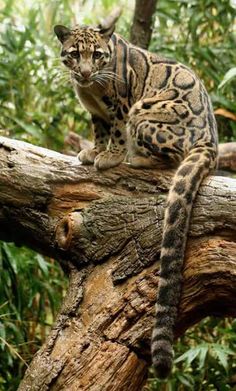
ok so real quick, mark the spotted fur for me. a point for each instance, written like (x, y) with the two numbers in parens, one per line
(150, 109)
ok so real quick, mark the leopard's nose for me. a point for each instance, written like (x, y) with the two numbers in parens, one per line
(86, 73)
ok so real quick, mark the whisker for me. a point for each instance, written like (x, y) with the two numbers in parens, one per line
(100, 82)
(76, 73)
(111, 76)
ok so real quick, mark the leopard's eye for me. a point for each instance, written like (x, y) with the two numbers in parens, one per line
(75, 54)
(97, 55)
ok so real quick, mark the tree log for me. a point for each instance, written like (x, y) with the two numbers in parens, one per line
(105, 229)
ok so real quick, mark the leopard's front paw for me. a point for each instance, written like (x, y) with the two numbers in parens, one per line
(87, 156)
(108, 159)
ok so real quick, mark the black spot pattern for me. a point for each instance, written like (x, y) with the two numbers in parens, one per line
(180, 187)
(160, 138)
(146, 106)
(167, 76)
(117, 133)
(119, 114)
(107, 101)
(148, 138)
(176, 206)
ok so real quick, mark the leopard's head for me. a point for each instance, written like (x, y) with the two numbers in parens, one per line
(85, 51)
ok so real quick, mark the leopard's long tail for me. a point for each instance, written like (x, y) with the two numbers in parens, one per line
(185, 185)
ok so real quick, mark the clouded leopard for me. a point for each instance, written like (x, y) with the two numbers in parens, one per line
(146, 109)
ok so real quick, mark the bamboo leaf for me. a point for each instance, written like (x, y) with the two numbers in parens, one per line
(228, 77)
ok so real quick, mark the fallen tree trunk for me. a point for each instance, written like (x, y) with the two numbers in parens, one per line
(105, 229)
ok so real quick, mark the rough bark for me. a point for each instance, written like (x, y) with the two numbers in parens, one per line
(141, 29)
(105, 228)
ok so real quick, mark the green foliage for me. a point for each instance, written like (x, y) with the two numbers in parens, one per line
(31, 289)
(37, 101)
(208, 364)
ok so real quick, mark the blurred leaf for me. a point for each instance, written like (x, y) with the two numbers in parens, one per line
(28, 128)
(229, 76)
(189, 356)
(222, 353)
(42, 264)
(202, 356)
(187, 381)
(226, 114)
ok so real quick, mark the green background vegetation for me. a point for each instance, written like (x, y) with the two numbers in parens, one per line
(37, 104)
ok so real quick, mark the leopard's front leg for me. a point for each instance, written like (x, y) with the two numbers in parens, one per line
(101, 130)
(116, 149)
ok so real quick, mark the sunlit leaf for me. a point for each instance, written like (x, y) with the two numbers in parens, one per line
(228, 77)
(29, 128)
(42, 263)
(202, 356)
(222, 353)
(189, 356)
(186, 380)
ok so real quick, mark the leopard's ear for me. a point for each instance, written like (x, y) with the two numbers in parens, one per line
(107, 26)
(62, 33)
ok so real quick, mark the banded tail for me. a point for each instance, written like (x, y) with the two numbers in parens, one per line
(185, 185)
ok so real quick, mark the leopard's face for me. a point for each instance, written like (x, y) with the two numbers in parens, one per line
(86, 53)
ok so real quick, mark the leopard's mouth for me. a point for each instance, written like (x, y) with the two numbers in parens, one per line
(82, 81)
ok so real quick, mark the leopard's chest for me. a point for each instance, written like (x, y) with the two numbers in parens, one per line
(96, 102)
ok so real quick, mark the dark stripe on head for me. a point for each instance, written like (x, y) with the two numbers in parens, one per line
(64, 53)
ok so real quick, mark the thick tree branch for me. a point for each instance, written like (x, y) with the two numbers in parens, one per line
(106, 228)
(141, 29)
